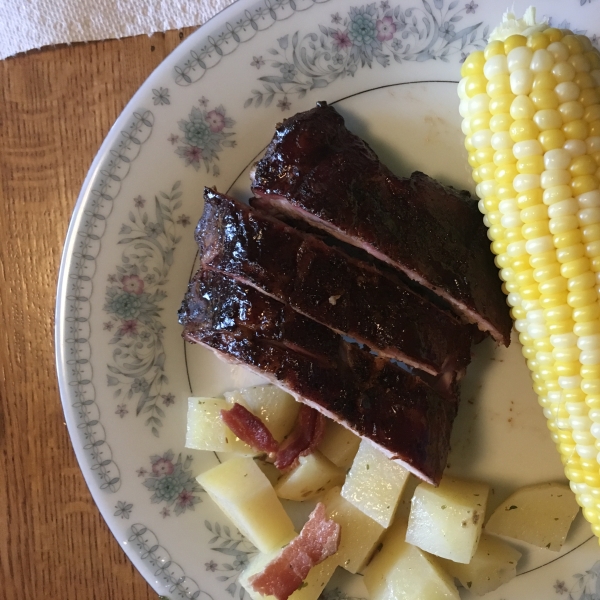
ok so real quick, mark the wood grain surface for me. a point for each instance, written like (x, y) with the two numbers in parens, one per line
(56, 107)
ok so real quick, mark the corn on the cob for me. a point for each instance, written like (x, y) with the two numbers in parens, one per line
(530, 104)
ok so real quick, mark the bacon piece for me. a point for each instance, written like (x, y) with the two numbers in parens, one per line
(319, 539)
(249, 428)
(304, 438)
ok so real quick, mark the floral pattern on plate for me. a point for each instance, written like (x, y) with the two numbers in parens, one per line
(368, 34)
(236, 552)
(132, 303)
(205, 134)
(172, 483)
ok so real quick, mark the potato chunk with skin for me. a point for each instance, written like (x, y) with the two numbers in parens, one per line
(539, 514)
(245, 495)
(375, 483)
(311, 587)
(359, 534)
(401, 571)
(207, 431)
(447, 520)
(313, 476)
(274, 407)
(339, 444)
(493, 564)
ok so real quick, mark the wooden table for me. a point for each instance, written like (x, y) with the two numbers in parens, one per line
(56, 107)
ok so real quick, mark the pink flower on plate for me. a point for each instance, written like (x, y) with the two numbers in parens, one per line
(341, 40)
(215, 120)
(133, 284)
(128, 327)
(162, 467)
(185, 499)
(385, 29)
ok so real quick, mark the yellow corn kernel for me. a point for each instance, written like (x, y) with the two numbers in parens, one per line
(576, 130)
(583, 184)
(553, 34)
(552, 139)
(473, 64)
(493, 48)
(583, 165)
(523, 130)
(475, 84)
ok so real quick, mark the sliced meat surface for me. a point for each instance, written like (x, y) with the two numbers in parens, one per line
(351, 296)
(317, 170)
(373, 396)
(318, 540)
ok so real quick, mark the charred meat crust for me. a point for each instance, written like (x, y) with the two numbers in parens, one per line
(351, 296)
(317, 170)
(375, 397)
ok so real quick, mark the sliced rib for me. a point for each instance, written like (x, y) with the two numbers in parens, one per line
(374, 397)
(351, 296)
(317, 170)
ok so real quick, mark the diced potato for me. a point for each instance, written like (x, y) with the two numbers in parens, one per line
(274, 407)
(206, 429)
(539, 514)
(493, 564)
(339, 444)
(403, 572)
(313, 476)
(374, 484)
(359, 534)
(447, 520)
(245, 495)
(311, 587)
(269, 469)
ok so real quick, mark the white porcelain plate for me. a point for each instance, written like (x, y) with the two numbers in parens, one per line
(202, 117)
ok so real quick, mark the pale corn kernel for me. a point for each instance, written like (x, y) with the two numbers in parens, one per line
(553, 178)
(575, 147)
(558, 50)
(508, 206)
(570, 206)
(527, 148)
(481, 139)
(548, 119)
(589, 216)
(567, 91)
(571, 111)
(590, 199)
(501, 140)
(525, 182)
(541, 61)
(558, 158)
(497, 65)
(541, 245)
(478, 104)
(486, 171)
(564, 224)
(521, 81)
(563, 71)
